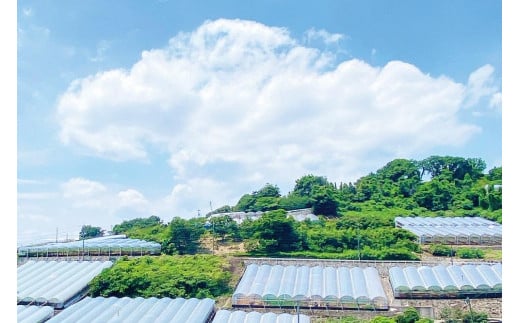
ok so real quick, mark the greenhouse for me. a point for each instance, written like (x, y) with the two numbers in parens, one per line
(137, 310)
(310, 287)
(55, 283)
(227, 316)
(455, 230)
(454, 281)
(102, 246)
(33, 313)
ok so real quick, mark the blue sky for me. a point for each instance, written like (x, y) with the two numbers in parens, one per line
(131, 108)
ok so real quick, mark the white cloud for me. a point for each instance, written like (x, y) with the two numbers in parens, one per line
(84, 192)
(323, 35)
(131, 198)
(238, 104)
(482, 84)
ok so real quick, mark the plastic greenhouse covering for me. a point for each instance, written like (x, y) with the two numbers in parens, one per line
(33, 313)
(137, 310)
(55, 283)
(227, 316)
(455, 230)
(103, 246)
(440, 281)
(317, 286)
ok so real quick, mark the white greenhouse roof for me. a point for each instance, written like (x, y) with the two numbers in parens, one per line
(33, 313)
(137, 310)
(458, 230)
(102, 244)
(314, 286)
(439, 280)
(55, 283)
(227, 316)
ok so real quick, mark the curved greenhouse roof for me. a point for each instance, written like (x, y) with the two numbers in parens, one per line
(137, 310)
(55, 283)
(103, 246)
(33, 313)
(455, 230)
(315, 286)
(227, 316)
(446, 281)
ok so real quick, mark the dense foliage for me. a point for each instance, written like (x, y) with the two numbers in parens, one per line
(88, 231)
(445, 186)
(356, 219)
(164, 276)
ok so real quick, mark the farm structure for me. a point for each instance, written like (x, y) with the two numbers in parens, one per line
(103, 246)
(55, 283)
(227, 316)
(145, 310)
(452, 281)
(454, 230)
(310, 287)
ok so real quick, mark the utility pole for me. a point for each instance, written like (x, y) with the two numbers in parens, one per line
(358, 250)
(212, 228)
(470, 311)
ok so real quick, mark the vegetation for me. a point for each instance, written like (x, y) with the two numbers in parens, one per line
(164, 276)
(410, 315)
(88, 231)
(356, 221)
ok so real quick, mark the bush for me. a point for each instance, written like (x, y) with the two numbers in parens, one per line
(470, 253)
(441, 250)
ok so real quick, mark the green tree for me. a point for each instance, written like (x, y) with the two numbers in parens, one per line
(305, 184)
(410, 315)
(88, 231)
(184, 236)
(136, 223)
(275, 232)
(323, 201)
(224, 226)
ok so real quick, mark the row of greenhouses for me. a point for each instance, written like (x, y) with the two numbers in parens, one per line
(227, 316)
(453, 281)
(103, 246)
(312, 287)
(55, 283)
(454, 230)
(150, 310)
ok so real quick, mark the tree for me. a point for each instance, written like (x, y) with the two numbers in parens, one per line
(305, 184)
(275, 232)
(323, 201)
(410, 315)
(223, 226)
(184, 236)
(88, 231)
(136, 223)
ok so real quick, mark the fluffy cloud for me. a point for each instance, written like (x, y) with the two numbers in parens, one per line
(481, 84)
(237, 104)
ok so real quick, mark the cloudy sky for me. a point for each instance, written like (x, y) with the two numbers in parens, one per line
(171, 108)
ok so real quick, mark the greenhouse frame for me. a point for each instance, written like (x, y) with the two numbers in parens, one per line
(138, 310)
(452, 230)
(102, 246)
(55, 283)
(453, 281)
(227, 316)
(310, 287)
